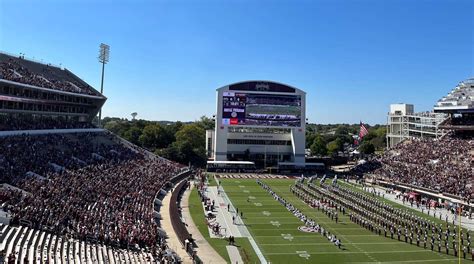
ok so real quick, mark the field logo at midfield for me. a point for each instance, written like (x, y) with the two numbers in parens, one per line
(303, 254)
(258, 204)
(287, 236)
(307, 229)
(275, 223)
(266, 213)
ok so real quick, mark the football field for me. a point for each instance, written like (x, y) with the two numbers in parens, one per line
(276, 231)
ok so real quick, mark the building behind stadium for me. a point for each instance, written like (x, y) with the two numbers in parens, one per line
(453, 112)
(258, 123)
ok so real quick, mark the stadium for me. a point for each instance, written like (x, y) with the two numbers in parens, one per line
(73, 192)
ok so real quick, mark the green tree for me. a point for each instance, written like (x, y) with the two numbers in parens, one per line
(190, 143)
(379, 142)
(171, 153)
(381, 131)
(206, 123)
(342, 130)
(376, 136)
(371, 135)
(133, 135)
(367, 148)
(318, 148)
(155, 136)
(310, 139)
(192, 133)
(334, 146)
(173, 128)
(114, 126)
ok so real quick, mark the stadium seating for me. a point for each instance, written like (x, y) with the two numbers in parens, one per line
(461, 122)
(27, 245)
(17, 69)
(27, 122)
(81, 197)
(461, 96)
(444, 165)
(43, 154)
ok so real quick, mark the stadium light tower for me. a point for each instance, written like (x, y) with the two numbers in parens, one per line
(104, 59)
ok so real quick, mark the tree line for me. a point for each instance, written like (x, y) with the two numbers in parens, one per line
(185, 142)
(177, 141)
(329, 140)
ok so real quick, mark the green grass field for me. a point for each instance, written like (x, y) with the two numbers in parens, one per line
(276, 231)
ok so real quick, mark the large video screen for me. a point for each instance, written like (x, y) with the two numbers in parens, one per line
(261, 109)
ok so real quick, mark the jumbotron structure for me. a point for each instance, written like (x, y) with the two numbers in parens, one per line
(258, 123)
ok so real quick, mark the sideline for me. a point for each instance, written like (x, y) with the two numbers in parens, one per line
(234, 254)
(204, 250)
(244, 231)
(223, 217)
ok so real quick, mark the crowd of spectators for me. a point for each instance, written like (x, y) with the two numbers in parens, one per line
(444, 165)
(43, 154)
(27, 122)
(110, 202)
(460, 121)
(101, 191)
(367, 166)
(13, 70)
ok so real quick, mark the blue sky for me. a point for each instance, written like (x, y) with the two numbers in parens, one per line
(353, 58)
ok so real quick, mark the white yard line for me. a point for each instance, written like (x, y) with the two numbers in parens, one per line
(312, 234)
(348, 252)
(410, 261)
(326, 244)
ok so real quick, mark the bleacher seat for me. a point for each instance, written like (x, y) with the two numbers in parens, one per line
(35, 246)
(13, 240)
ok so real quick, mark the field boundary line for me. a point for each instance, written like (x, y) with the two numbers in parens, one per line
(410, 261)
(249, 235)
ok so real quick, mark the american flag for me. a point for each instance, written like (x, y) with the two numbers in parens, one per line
(363, 131)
